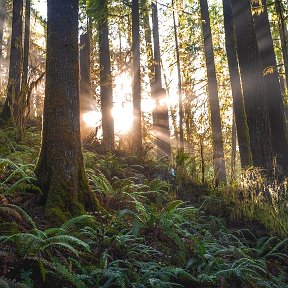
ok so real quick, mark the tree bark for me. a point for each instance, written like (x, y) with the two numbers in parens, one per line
(60, 169)
(238, 104)
(162, 117)
(218, 149)
(180, 101)
(233, 149)
(273, 91)
(26, 43)
(149, 52)
(283, 37)
(252, 83)
(2, 23)
(15, 69)
(106, 79)
(136, 85)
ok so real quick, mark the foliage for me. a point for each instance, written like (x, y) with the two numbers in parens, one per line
(146, 238)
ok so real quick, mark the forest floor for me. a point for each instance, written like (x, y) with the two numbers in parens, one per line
(158, 230)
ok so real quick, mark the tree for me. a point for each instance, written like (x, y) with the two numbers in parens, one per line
(162, 118)
(2, 22)
(10, 109)
(23, 99)
(136, 85)
(283, 36)
(252, 84)
(272, 89)
(60, 169)
(149, 52)
(105, 77)
(26, 43)
(238, 104)
(180, 101)
(218, 149)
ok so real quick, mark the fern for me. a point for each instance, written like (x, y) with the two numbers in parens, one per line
(73, 224)
(6, 283)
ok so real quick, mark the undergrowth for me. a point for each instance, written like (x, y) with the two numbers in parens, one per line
(147, 238)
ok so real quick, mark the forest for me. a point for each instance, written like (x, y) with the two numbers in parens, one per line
(144, 143)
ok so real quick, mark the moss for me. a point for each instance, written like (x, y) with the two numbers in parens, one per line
(86, 195)
(8, 228)
(57, 215)
(62, 204)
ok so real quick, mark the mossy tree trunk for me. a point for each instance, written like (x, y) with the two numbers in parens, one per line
(238, 104)
(105, 78)
(60, 169)
(136, 78)
(15, 69)
(218, 149)
(255, 101)
(272, 90)
(162, 117)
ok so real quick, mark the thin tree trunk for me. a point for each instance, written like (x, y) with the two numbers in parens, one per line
(238, 104)
(136, 86)
(180, 102)
(149, 53)
(202, 159)
(284, 40)
(162, 118)
(218, 149)
(15, 69)
(273, 91)
(26, 43)
(233, 149)
(60, 169)
(252, 83)
(25, 93)
(2, 23)
(106, 79)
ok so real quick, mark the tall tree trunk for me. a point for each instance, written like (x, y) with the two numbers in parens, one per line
(238, 104)
(273, 91)
(106, 79)
(26, 43)
(15, 68)
(25, 93)
(60, 169)
(149, 52)
(283, 37)
(233, 149)
(180, 101)
(218, 149)
(202, 159)
(136, 86)
(162, 117)
(85, 81)
(2, 22)
(252, 83)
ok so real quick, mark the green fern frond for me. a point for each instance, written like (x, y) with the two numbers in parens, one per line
(78, 222)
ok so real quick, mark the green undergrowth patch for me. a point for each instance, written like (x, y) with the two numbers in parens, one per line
(147, 237)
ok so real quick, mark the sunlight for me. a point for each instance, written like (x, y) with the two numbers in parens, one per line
(123, 117)
(92, 118)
